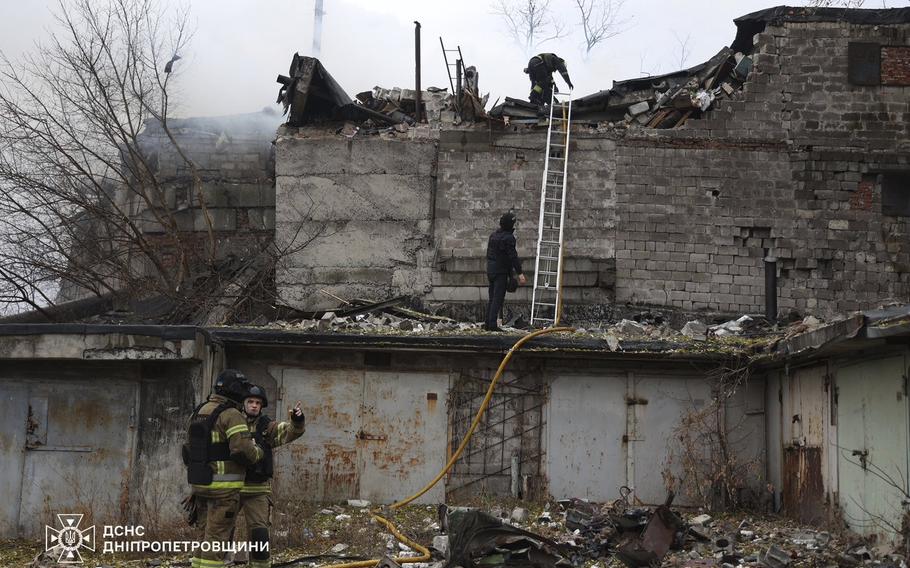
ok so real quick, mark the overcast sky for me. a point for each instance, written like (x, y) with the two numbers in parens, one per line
(240, 46)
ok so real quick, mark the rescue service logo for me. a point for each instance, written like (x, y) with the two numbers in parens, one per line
(69, 539)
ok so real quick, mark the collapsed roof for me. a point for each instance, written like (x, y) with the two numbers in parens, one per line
(668, 100)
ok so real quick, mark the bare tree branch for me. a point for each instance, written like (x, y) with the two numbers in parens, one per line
(77, 193)
(529, 23)
(599, 21)
(684, 49)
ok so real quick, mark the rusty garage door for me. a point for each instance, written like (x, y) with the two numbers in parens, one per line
(806, 425)
(376, 435)
(67, 447)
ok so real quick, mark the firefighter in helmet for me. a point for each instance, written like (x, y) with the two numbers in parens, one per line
(540, 70)
(256, 495)
(219, 450)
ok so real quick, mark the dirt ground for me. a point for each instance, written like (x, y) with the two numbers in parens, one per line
(309, 535)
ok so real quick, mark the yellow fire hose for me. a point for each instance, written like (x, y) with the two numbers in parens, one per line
(424, 552)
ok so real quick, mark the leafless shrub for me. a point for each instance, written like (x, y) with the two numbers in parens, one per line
(704, 462)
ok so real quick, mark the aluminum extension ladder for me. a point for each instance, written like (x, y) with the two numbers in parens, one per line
(546, 299)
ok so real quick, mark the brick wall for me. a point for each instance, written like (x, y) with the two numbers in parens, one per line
(895, 65)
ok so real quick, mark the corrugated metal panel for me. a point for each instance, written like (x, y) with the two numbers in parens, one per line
(872, 443)
(371, 435)
(85, 464)
(586, 421)
(13, 414)
(402, 440)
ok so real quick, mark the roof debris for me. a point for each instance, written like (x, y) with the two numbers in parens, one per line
(660, 101)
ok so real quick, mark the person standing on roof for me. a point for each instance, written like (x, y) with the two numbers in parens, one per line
(219, 450)
(540, 69)
(256, 495)
(502, 259)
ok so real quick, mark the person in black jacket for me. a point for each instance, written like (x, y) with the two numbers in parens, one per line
(502, 259)
(540, 69)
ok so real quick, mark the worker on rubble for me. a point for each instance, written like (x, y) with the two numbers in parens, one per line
(256, 495)
(219, 450)
(540, 69)
(502, 259)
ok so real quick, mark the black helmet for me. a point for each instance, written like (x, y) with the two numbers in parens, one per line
(257, 392)
(507, 221)
(232, 384)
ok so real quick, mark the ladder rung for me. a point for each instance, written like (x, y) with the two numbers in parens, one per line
(544, 304)
(552, 258)
(553, 200)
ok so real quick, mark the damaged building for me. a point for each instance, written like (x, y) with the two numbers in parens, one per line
(783, 159)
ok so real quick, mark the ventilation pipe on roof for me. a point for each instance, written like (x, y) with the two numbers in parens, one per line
(770, 288)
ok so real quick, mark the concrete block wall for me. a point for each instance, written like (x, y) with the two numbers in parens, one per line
(356, 216)
(792, 166)
(693, 223)
(234, 157)
(483, 175)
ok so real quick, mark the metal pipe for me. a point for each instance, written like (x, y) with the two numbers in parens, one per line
(516, 476)
(771, 289)
(459, 73)
(418, 112)
(317, 29)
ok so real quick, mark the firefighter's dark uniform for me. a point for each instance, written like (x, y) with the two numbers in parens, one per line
(540, 69)
(256, 494)
(218, 501)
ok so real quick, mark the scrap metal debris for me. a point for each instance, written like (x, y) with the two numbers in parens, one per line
(478, 540)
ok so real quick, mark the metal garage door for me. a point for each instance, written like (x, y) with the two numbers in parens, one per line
(373, 435)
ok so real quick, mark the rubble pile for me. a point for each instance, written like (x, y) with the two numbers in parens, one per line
(390, 317)
(676, 99)
(659, 101)
(578, 533)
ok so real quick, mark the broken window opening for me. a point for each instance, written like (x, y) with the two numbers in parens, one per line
(896, 194)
